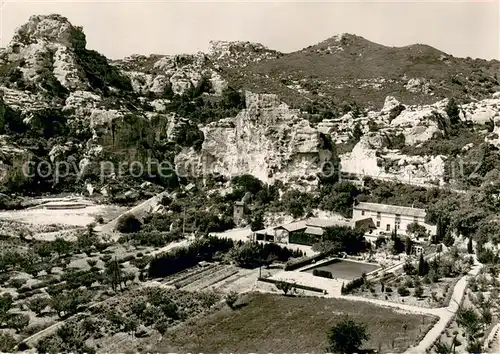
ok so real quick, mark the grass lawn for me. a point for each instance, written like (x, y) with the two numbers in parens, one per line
(345, 269)
(279, 324)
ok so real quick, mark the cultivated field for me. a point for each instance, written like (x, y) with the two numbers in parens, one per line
(277, 323)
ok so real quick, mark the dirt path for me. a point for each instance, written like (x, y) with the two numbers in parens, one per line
(138, 210)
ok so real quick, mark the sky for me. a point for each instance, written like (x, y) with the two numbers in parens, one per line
(121, 28)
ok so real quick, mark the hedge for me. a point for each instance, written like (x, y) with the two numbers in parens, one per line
(322, 273)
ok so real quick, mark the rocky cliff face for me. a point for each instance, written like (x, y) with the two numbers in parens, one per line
(42, 49)
(267, 139)
(141, 106)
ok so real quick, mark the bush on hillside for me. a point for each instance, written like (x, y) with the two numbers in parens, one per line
(128, 223)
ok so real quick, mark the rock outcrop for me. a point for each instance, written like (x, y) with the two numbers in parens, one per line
(267, 139)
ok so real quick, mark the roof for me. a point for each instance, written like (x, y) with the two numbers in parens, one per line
(391, 209)
(316, 231)
(294, 226)
(265, 232)
(324, 223)
(364, 222)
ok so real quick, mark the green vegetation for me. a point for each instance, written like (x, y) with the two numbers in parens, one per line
(298, 332)
(208, 248)
(100, 74)
(339, 239)
(128, 223)
(198, 108)
(132, 313)
(347, 336)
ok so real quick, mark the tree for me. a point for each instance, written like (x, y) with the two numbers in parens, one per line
(87, 240)
(257, 222)
(61, 246)
(423, 266)
(357, 133)
(7, 343)
(128, 223)
(44, 249)
(416, 230)
(419, 291)
(6, 301)
(66, 304)
(231, 299)
(408, 244)
(327, 247)
(347, 336)
(470, 250)
(113, 273)
(284, 286)
(408, 267)
(448, 240)
(453, 111)
(18, 321)
(92, 263)
(38, 304)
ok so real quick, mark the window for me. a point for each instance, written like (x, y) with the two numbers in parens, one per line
(378, 215)
(378, 223)
(398, 217)
(362, 212)
(397, 225)
(415, 219)
(388, 227)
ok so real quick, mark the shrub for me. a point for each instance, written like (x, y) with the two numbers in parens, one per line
(403, 291)
(419, 291)
(17, 282)
(231, 299)
(322, 273)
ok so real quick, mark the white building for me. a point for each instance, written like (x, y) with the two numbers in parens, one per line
(389, 217)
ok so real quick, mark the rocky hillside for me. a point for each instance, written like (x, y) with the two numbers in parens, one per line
(353, 69)
(241, 108)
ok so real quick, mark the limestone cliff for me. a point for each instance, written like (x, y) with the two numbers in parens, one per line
(267, 139)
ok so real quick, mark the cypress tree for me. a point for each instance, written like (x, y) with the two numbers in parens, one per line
(421, 265)
(469, 246)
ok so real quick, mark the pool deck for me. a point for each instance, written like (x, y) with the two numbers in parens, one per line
(304, 276)
(330, 266)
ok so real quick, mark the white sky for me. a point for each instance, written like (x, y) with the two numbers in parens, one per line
(121, 28)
